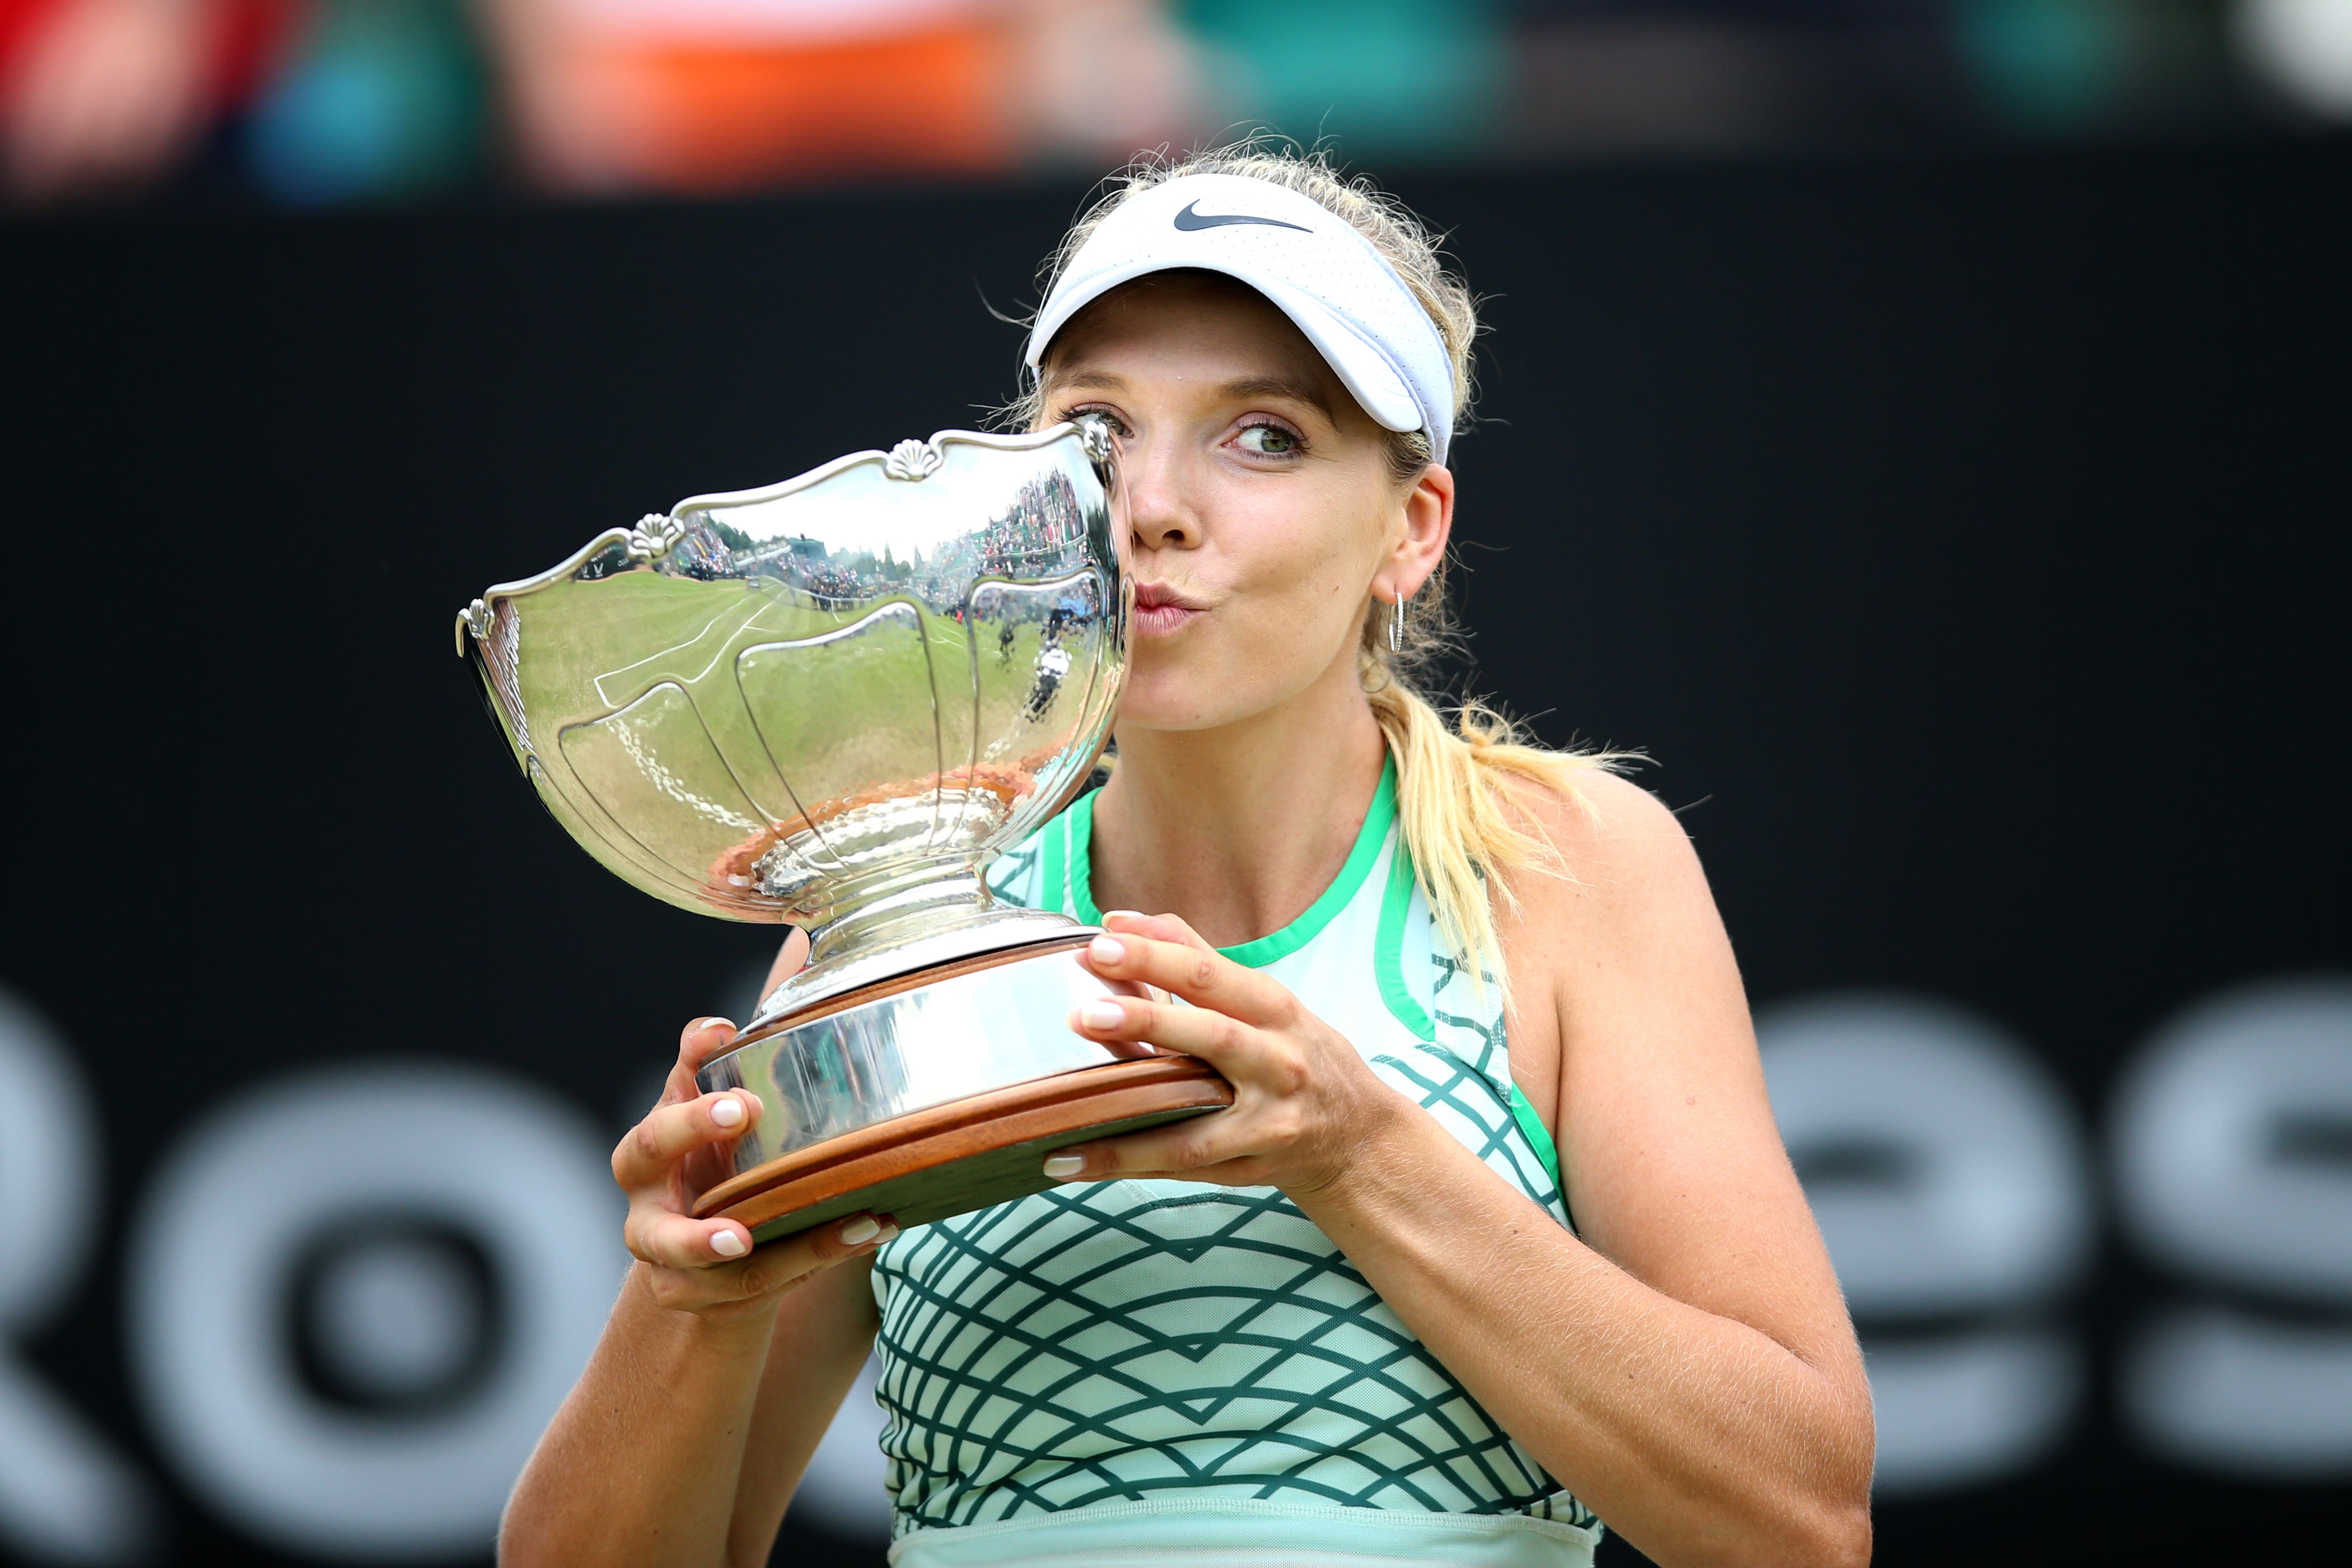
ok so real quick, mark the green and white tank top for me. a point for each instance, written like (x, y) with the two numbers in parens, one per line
(1158, 1372)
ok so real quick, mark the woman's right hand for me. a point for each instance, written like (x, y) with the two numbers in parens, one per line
(709, 1266)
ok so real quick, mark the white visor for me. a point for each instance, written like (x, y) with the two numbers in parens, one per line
(1311, 262)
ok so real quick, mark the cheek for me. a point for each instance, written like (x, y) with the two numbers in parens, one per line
(1305, 577)
(1305, 602)
(1292, 610)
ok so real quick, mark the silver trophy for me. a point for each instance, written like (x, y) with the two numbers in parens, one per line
(830, 703)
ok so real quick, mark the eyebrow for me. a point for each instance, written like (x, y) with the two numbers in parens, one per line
(1086, 380)
(1296, 388)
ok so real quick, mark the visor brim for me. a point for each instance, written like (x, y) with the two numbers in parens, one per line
(1362, 368)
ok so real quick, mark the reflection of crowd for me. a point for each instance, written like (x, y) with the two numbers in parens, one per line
(833, 583)
(1010, 550)
(1042, 522)
(1038, 534)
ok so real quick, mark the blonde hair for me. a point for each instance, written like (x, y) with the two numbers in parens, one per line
(1461, 779)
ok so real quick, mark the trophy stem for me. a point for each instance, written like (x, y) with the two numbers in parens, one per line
(900, 919)
(889, 908)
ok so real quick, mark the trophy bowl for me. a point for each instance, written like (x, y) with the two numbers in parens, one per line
(831, 702)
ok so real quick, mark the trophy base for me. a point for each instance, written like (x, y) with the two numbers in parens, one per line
(937, 1091)
(966, 1154)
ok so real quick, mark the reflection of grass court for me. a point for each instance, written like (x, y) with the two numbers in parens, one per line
(743, 734)
(699, 629)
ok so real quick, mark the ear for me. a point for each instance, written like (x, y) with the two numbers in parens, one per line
(1428, 509)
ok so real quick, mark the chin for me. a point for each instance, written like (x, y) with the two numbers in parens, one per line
(1169, 689)
(1165, 701)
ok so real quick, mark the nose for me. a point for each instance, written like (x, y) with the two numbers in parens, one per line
(1159, 511)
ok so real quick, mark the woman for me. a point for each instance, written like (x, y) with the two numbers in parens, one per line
(1464, 988)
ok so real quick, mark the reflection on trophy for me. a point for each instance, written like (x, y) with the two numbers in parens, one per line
(831, 702)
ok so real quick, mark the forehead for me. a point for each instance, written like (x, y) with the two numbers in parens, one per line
(1191, 317)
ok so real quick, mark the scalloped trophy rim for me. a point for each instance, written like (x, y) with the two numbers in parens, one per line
(1024, 441)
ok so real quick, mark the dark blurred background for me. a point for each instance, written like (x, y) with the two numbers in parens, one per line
(322, 102)
(1919, 426)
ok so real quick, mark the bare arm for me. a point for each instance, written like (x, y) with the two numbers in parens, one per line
(717, 1374)
(1700, 1436)
(1686, 1367)
(683, 1440)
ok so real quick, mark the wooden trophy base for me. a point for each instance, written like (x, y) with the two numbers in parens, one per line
(966, 1154)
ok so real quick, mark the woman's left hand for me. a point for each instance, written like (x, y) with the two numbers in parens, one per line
(1305, 1103)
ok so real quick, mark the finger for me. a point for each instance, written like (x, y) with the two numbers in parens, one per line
(721, 1250)
(668, 1239)
(1231, 1047)
(696, 1044)
(1184, 1148)
(646, 1156)
(1202, 975)
(1160, 928)
(702, 1040)
(779, 1263)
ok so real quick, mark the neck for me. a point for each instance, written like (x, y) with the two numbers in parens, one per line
(1239, 828)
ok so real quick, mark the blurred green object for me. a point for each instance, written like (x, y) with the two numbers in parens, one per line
(378, 99)
(2044, 65)
(1376, 75)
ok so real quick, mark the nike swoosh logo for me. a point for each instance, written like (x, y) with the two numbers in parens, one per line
(1189, 220)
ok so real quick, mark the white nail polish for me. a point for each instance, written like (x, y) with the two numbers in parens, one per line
(889, 1233)
(860, 1231)
(727, 1244)
(727, 1111)
(1102, 1014)
(1062, 1167)
(719, 1023)
(1105, 950)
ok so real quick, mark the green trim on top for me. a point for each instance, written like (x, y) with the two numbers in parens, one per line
(1388, 950)
(1532, 1125)
(1377, 817)
(1256, 954)
(1050, 887)
(1078, 825)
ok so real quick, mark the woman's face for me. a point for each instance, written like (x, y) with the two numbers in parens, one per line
(1258, 493)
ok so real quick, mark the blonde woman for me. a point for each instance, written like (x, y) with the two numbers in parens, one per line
(1497, 1239)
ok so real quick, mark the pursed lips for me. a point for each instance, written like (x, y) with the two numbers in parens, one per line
(1160, 609)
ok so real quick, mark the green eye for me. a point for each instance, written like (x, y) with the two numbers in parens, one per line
(1269, 441)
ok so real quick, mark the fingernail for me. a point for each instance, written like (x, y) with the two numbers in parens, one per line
(861, 1230)
(1062, 1167)
(1106, 949)
(1123, 915)
(1101, 1015)
(889, 1233)
(727, 1111)
(727, 1244)
(719, 1023)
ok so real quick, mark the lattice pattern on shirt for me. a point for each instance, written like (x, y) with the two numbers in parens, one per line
(1126, 1340)
(1469, 1026)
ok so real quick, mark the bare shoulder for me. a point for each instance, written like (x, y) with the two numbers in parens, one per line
(1618, 851)
(1621, 918)
(1626, 990)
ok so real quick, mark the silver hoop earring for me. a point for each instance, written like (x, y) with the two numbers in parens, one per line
(1396, 627)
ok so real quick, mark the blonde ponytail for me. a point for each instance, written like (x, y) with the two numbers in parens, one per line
(1463, 808)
